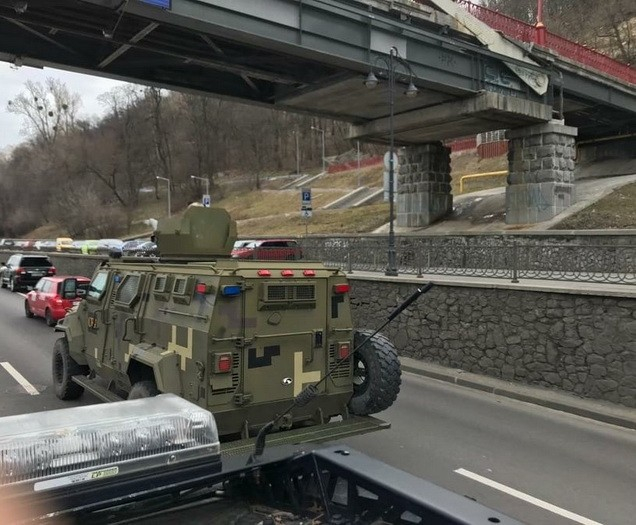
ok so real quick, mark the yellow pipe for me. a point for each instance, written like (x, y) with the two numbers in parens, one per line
(479, 176)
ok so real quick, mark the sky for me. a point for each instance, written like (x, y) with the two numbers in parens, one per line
(12, 80)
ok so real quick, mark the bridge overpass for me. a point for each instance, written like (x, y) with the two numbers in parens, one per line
(313, 56)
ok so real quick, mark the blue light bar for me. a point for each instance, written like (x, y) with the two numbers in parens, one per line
(163, 4)
(231, 290)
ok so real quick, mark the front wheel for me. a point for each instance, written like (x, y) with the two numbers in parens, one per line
(48, 317)
(64, 368)
(142, 389)
(376, 374)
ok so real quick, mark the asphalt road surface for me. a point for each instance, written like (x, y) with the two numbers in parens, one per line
(534, 464)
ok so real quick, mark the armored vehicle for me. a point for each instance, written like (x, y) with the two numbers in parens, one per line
(241, 338)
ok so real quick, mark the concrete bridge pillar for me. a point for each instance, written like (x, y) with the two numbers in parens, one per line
(541, 172)
(424, 190)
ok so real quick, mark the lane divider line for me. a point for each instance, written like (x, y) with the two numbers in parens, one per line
(20, 379)
(527, 498)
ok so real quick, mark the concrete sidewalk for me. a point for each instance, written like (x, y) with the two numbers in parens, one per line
(557, 400)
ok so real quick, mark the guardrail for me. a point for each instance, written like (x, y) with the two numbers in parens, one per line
(479, 176)
(481, 257)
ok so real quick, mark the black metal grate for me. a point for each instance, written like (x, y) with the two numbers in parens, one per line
(300, 292)
(236, 366)
(344, 370)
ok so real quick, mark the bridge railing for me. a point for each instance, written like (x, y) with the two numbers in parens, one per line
(499, 257)
(526, 32)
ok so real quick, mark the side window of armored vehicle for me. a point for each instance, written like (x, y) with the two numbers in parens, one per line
(162, 287)
(128, 291)
(97, 286)
(182, 290)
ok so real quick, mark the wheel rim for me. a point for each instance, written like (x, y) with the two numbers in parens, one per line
(360, 374)
(12, 285)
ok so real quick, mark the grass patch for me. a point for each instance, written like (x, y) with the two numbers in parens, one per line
(264, 203)
(353, 220)
(370, 176)
(617, 210)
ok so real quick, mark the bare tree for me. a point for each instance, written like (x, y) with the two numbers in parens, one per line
(49, 110)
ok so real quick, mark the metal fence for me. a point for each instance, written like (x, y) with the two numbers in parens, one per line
(500, 257)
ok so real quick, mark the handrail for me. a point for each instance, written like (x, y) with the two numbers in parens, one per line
(479, 176)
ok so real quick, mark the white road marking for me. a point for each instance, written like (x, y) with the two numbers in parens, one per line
(20, 379)
(22, 294)
(526, 497)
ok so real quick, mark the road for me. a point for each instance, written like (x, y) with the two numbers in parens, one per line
(537, 465)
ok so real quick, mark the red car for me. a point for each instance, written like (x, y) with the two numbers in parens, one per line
(53, 296)
(269, 249)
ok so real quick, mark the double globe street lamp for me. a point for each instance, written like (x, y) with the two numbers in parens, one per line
(394, 68)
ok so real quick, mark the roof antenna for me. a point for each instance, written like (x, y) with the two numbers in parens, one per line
(311, 391)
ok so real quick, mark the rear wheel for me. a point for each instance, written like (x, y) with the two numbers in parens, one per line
(12, 286)
(143, 389)
(64, 368)
(376, 374)
(49, 318)
(27, 309)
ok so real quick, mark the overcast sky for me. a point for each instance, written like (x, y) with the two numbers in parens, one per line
(12, 81)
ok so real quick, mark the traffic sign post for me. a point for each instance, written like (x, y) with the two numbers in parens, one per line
(206, 201)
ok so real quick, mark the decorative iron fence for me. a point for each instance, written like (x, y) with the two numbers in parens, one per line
(496, 256)
(566, 48)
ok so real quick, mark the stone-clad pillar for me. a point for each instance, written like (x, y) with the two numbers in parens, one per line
(541, 172)
(424, 190)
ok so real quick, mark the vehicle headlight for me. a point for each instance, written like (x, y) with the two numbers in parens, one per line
(57, 448)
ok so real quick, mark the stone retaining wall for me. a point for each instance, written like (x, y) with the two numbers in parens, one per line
(582, 344)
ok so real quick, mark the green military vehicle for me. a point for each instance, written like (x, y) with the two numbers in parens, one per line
(241, 338)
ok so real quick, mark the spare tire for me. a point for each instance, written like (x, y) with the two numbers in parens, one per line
(376, 374)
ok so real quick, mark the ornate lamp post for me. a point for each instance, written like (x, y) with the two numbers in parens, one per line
(388, 67)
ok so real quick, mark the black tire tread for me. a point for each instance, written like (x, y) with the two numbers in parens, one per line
(49, 320)
(27, 310)
(382, 390)
(66, 389)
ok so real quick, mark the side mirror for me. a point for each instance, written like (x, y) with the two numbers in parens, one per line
(80, 293)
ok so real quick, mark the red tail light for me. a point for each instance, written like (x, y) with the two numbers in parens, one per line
(224, 363)
(51, 270)
(343, 350)
(20, 271)
(340, 288)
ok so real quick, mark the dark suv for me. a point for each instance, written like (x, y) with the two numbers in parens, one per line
(22, 271)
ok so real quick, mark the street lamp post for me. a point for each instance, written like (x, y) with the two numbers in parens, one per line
(204, 179)
(389, 69)
(168, 181)
(323, 144)
(295, 132)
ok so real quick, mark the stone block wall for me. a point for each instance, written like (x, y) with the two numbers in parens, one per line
(424, 190)
(541, 172)
(581, 344)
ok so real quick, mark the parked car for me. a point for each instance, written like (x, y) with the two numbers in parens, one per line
(269, 249)
(130, 247)
(22, 271)
(45, 245)
(147, 249)
(53, 297)
(63, 244)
